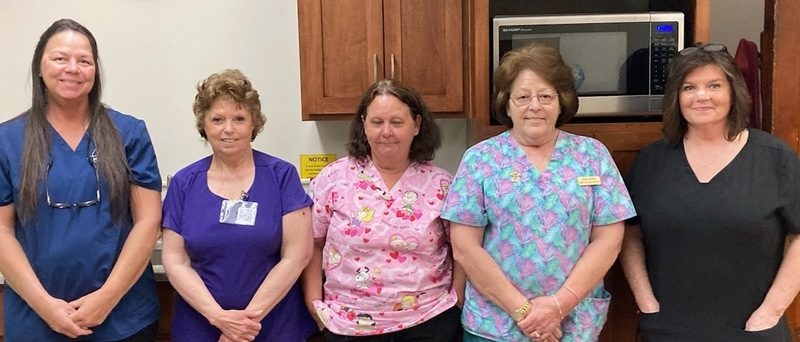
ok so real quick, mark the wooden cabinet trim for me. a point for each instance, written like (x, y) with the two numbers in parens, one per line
(781, 72)
(702, 21)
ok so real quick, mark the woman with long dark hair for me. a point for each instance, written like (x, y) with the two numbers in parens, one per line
(79, 204)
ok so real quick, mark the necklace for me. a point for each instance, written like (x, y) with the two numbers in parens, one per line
(231, 183)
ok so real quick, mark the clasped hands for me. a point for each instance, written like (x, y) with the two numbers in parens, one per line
(543, 321)
(76, 318)
(237, 325)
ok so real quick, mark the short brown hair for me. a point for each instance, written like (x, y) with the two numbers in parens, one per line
(425, 143)
(233, 85)
(675, 125)
(546, 62)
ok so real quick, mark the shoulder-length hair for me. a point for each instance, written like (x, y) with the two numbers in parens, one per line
(675, 125)
(230, 84)
(546, 62)
(425, 143)
(111, 163)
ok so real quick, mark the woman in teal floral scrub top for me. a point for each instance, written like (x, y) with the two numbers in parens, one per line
(536, 213)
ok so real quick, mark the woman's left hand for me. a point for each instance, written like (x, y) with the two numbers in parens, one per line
(92, 309)
(543, 319)
(761, 320)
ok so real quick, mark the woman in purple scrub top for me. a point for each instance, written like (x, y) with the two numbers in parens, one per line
(237, 228)
(80, 197)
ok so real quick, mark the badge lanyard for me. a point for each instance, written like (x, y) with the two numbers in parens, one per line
(240, 212)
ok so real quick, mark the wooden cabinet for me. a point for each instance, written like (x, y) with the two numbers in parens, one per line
(623, 140)
(166, 299)
(781, 71)
(346, 45)
(781, 97)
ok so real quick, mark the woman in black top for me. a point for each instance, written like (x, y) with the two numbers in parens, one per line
(716, 204)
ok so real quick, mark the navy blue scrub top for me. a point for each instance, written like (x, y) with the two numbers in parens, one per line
(72, 250)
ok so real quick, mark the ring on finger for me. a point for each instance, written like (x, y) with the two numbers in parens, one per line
(536, 334)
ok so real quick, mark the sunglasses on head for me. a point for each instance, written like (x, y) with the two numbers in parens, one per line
(707, 48)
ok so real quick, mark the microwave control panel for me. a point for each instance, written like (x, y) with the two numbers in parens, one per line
(664, 47)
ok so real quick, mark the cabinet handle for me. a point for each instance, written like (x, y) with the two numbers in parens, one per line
(374, 67)
(392, 66)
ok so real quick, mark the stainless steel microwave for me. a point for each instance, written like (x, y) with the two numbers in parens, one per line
(619, 60)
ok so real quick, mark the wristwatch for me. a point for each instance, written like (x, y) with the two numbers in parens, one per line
(520, 313)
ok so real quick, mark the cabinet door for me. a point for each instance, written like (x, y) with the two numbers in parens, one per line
(424, 49)
(341, 53)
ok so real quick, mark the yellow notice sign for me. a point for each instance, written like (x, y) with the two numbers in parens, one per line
(312, 164)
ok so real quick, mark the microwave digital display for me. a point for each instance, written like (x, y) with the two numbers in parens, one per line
(665, 28)
(619, 61)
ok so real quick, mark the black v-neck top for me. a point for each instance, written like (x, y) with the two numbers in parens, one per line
(713, 249)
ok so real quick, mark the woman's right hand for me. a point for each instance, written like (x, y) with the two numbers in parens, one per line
(237, 325)
(318, 321)
(56, 313)
(309, 301)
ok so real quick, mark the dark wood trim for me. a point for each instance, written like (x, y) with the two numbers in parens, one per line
(701, 21)
(478, 62)
(780, 94)
(781, 70)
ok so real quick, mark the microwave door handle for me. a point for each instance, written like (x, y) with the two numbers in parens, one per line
(374, 67)
(392, 66)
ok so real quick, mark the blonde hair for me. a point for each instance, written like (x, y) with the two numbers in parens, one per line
(233, 85)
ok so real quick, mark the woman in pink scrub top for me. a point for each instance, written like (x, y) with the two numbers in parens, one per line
(384, 252)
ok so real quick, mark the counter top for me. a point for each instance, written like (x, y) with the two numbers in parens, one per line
(157, 269)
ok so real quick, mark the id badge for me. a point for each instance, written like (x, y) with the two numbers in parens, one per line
(238, 212)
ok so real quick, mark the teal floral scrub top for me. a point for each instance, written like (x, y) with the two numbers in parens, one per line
(537, 224)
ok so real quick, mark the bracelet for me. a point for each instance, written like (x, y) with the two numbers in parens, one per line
(572, 291)
(520, 313)
(558, 305)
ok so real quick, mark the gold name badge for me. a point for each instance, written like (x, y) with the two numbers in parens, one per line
(589, 180)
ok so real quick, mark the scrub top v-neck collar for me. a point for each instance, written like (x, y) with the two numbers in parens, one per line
(690, 171)
(553, 162)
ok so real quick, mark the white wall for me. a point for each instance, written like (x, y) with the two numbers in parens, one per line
(732, 20)
(153, 53)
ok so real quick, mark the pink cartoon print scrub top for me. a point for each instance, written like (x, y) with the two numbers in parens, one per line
(387, 257)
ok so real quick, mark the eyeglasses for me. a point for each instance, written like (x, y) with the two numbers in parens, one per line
(88, 203)
(544, 98)
(707, 48)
